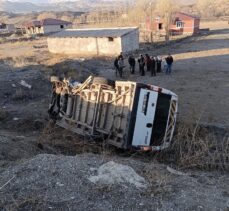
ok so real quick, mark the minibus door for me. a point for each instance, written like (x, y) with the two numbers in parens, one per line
(145, 118)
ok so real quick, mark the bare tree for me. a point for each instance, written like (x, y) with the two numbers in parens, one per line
(139, 12)
(46, 15)
(212, 8)
(166, 10)
(69, 17)
(205, 7)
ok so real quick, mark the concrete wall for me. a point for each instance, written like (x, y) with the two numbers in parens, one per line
(55, 28)
(47, 29)
(8, 28)
(191, 26)
(90, 46)
(187, 29)
(130, 41)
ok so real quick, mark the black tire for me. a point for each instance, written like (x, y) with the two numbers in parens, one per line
(102, 80)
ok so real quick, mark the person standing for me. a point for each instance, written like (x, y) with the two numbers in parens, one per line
(148, 62)
(169, 62)
(120, 56)
(163, 65)
(159, 64)
(141, 62)
(153, 66)
(131, 61)
(116, 66)
(120, 66)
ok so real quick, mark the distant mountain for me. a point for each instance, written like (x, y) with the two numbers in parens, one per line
(31, 1)
(53, 5)
(22, 7)
(28, 6)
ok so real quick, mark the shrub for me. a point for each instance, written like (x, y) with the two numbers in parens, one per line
(200, 147)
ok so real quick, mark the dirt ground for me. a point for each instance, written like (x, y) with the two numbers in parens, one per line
(200, 71)
(51, 182)
(200, 78)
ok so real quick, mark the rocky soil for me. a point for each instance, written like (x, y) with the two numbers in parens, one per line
(57, 182)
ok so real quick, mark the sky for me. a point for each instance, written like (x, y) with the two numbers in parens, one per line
(41, 1)
(44, 1)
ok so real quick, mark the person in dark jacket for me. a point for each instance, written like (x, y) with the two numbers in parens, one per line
(141, 62)
(147, 62)
(131, 61)
(153, 66)
(169, 62)
(120, 56)
(158, 62)
(116, 66)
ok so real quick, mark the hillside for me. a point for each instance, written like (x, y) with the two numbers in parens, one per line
(28, 7)
(63, 5)
(20, 19)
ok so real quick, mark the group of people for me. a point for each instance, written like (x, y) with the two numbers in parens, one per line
(152, 64)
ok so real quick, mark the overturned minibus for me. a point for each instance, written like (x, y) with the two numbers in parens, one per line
(125, 114)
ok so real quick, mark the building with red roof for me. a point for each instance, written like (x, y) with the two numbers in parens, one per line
(47, 26)
(182, 24)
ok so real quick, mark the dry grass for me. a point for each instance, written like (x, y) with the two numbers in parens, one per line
(217, 24)
(18, 62)
(22, 204)
(57, 140)
(194, 147)
(199, 147)
(23, 61)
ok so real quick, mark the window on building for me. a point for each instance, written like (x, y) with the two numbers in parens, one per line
(110, 39)
(61, 26)
(180, 24)
(2, 26)
(160, 26)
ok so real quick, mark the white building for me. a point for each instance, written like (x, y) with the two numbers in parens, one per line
(95, 41)
(7, 28)
(46, 26)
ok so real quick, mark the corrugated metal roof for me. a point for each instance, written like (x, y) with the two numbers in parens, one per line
(51, 21)
(47, 22)
(95, 32)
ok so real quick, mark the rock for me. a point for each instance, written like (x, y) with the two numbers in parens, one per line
(173, 171)
(112, 173)
(23, 83)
